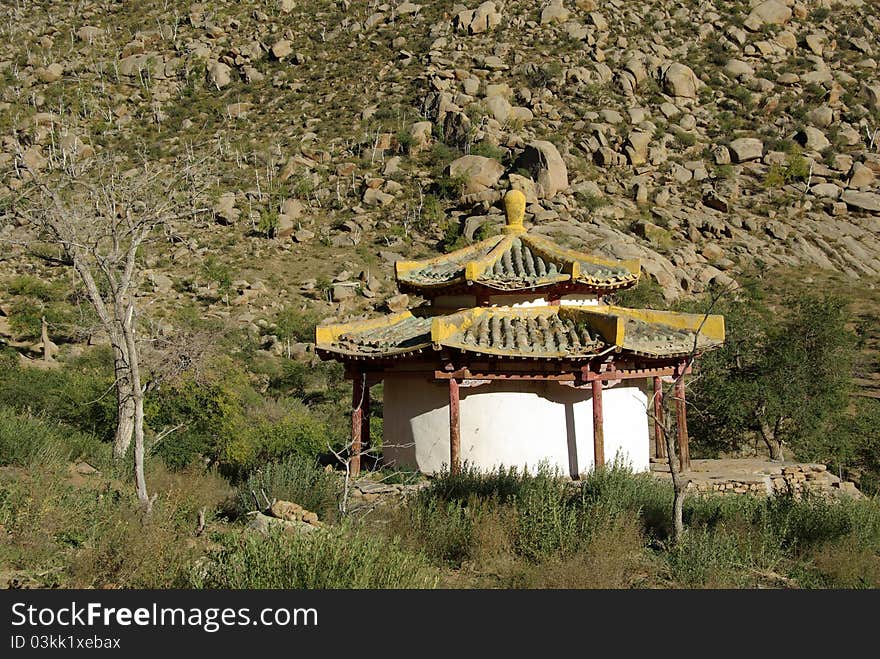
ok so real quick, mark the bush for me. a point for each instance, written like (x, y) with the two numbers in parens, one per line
(295, 479)
(327, 559)
(79, 395)
(27, 441)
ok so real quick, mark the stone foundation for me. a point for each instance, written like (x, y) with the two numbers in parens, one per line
(759, 477)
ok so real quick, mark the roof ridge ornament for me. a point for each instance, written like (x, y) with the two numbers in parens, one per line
(515, 208)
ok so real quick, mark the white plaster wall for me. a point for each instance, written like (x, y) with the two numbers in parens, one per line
(578, 301)
(513, 424)
(512, 300)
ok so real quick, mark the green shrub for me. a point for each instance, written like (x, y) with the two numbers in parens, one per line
(295, 324)
(295, 479)
(28, 441)
(326, 559)
(442, 529)
(80, 394)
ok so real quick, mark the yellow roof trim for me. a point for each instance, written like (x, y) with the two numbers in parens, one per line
(328, 334)
(473, 269)
(711, 326)
(401, 268)
(610, 326)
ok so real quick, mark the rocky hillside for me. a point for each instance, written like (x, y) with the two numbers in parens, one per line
(705, 137)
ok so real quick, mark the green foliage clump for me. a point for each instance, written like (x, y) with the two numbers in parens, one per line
(450, 186)
(27, 441)
(36, 299)
(453, 238)
(488, 150)
(590, 201)
(218, 273)
(296, 478)
(296, 325)
(79, 395)
(785, 380)
(796, 168)
(647, 293)
(327, 559)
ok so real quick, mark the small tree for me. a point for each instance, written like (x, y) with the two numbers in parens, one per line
(101, 216)
(783, 382)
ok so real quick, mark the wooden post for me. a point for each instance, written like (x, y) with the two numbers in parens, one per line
(659, 441)
(598, 428)
(357, 418)
(454, 428)
(684, 455)
(365, 418)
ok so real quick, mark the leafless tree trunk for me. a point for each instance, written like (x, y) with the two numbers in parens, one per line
(679, 481)
(101, 219)
(669, 427)
(771, 439)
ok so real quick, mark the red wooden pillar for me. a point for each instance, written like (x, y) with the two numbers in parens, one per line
(681, 414)
(357, 422)
(365, 418)
(454, 428)
(598, 427)
(659, 439)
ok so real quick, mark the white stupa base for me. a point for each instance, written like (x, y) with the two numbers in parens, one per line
(521, 424)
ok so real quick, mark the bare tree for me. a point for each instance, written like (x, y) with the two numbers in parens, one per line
(667, 422)
(101, 216)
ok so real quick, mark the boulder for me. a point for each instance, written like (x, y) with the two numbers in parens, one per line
(499, 107)
(281, 49)
(637, 147)
(812, 139)
(546, 167)
(864, 201)
(397, 303)
(679, 80)
(827, 190)
(265, 524)
(736, 68)
(770, 12)
(219, 74)
(860, 176)
(376, 197)
(554, 12)
(51, 73)
(225, 208)
(872, 94)
(478, 172)
(746, 148)
(482, 19)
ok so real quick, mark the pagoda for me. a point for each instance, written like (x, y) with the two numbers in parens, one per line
(515, 360)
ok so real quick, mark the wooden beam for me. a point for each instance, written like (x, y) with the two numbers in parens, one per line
(454, 428)
(684, 455)
(659, 440)
(357, 402)
(598, 426)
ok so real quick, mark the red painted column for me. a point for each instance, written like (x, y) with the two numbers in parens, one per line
(365, 419)
(454, 428)
(681, 414)
(598, 426)
(659, 440)
(357, 420)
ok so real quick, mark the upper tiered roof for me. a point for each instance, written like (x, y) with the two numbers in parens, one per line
(515, 262)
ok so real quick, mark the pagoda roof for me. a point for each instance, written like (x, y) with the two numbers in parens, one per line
(569, 333)
(515, 261)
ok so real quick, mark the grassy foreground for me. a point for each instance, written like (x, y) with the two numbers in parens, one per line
(63, 528)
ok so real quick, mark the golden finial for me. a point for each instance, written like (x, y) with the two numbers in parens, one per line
(515, 208)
